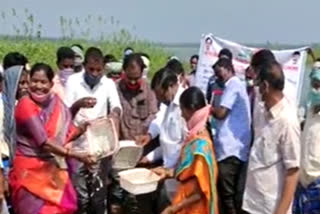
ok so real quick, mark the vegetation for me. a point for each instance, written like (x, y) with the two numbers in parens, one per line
(25, 36)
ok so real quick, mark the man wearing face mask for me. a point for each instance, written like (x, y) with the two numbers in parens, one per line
(93, 89)
(140, 106)
(65, 64)
(233, 135)
(307, 195)
(274, 163)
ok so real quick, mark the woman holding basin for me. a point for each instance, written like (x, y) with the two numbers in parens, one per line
(196, 170)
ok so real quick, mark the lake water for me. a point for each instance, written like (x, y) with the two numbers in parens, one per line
(184, 54)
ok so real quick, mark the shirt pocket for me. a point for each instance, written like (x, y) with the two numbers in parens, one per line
(141, 111)
(265, 153)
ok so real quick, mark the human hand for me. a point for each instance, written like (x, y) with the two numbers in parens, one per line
(86, 102)
(83, 127)
(161, 172)
(144, 161)
(168, 210)
(143, 140)
(83, 157)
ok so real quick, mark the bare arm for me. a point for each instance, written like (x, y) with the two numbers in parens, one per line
(220, 113)
(55, 149)
(194, 197)
(288, 191)
(64, 152)
(2, 186)
(115, 115)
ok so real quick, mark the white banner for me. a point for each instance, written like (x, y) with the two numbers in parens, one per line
(293, 63)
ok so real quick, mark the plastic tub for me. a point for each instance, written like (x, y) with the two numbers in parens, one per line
(101, 137)
(127, 156)
(139, 181)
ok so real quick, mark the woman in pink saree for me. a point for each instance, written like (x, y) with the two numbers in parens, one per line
(39, 179)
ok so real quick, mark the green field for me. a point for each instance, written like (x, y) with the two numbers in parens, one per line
(42, 50)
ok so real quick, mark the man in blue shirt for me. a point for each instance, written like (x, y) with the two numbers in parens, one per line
(233, 137)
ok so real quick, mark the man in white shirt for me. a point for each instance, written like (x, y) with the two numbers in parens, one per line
(93, 90)
(169, 125)
(275, 156)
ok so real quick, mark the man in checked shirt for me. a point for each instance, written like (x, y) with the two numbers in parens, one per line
(139, 106)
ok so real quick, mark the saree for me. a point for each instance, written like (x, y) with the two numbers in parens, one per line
(197, 168)
(11, 78)
(37, 182)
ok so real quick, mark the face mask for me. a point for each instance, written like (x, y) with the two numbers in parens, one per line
(314, 97)
(249, 83)
(39, 98)
(133, 86)
(64, 75)
(91, 80)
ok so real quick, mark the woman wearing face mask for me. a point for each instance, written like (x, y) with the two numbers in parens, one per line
(307, 198)
(39, 179)
(196, 169)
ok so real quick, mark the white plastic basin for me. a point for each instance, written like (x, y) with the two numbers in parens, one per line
(139, 181)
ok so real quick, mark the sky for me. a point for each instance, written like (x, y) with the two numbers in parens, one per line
(182, 21)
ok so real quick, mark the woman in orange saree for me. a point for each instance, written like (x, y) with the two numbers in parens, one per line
(196, 170)
(39, 179)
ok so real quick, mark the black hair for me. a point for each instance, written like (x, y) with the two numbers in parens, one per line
(164, 78)
(225, 52)
(261, 57)
(109, 58)
(135, 57)
(93, 53)
(1, 77)
(175, 66)
(209, 39)
(65, 53)
(42, 67)
(13, 59)
(225, 63)
(272, 73)
(196, 56)
(296, 53)
(78, 45)
(192, 99)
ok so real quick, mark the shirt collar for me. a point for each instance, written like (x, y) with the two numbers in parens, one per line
(176, 99)
(84, 84)
(228, 81)
(276, 110)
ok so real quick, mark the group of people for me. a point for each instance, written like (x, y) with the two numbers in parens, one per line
(235, 149)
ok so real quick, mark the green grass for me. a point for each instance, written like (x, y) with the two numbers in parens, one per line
(42, 50)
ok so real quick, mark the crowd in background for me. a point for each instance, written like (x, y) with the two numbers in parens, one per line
(236, 148)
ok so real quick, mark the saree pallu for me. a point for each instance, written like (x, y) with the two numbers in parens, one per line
(197, 169)
(42, 181)
(307, 200)
(38, 184)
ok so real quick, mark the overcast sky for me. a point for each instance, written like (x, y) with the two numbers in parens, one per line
(249, 21)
